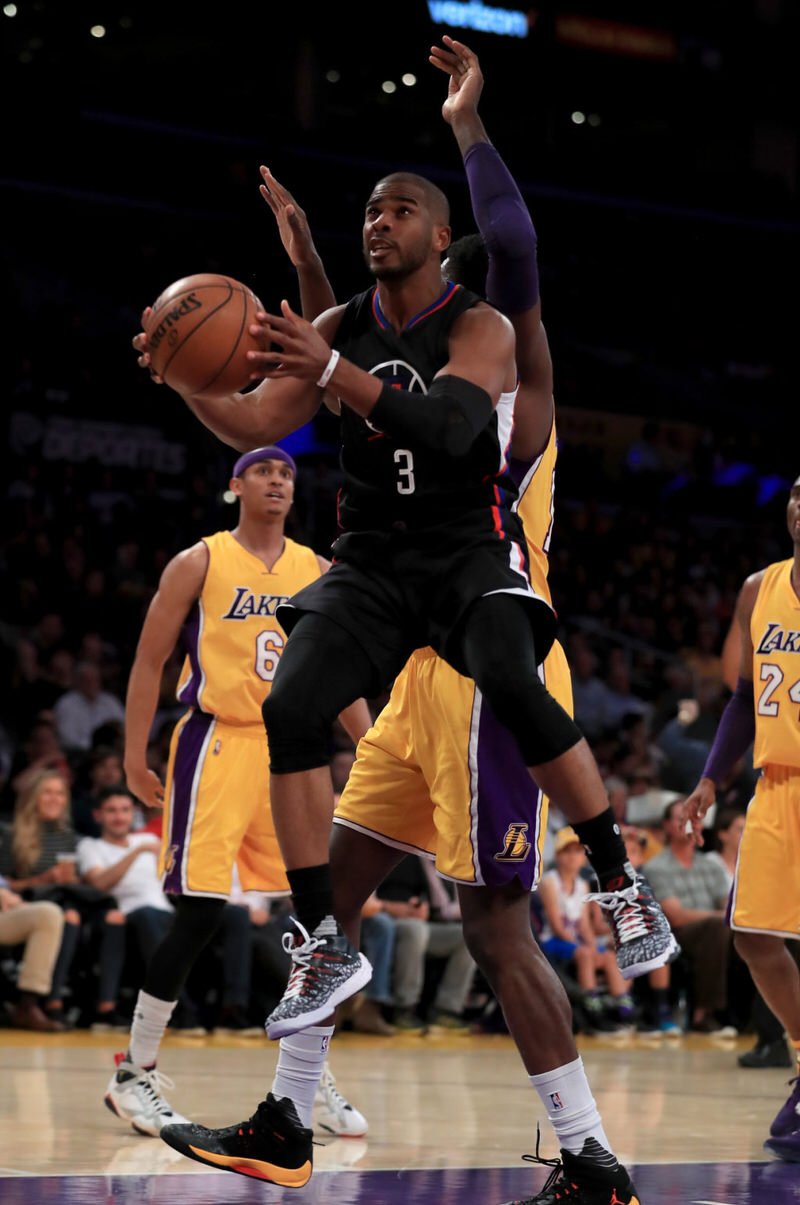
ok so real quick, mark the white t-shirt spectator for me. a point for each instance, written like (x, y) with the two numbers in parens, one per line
(140, 886)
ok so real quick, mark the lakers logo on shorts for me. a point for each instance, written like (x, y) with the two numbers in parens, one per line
(169, 858)
(516, 845)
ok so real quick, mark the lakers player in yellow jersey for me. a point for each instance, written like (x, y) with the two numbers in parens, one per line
(220, 595)
(764, 908)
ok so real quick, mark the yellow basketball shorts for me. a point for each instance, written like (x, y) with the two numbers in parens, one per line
(438, 775)
(765, 897)
(217, 811)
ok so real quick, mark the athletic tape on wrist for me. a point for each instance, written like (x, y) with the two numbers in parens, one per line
(328, 370)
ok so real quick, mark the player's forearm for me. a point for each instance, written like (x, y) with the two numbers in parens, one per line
(251, 420)
(141, 702)
(104, 880)
(735, 734)
(505, 225)
(316, 293)
(468, 129)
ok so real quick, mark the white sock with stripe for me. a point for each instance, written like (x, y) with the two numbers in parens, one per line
(300, 1061)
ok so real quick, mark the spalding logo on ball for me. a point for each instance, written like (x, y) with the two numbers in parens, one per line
(198, 334)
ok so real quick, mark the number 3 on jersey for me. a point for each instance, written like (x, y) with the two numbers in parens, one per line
(268, 653)
(404, 459)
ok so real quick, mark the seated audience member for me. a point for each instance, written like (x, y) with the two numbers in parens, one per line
(38, 857)
(125, 864)
(693, 891)
(39, 751)
(79, 712)
(406, 896)
(569, 936)
(726, 834)
(37, 928)
(103, 768)
(378, 936)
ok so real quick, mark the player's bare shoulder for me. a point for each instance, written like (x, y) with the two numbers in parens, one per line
(748, 595)
(186, 572)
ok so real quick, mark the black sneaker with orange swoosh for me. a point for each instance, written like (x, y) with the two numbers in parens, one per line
(271, 1145)
(583, 1179)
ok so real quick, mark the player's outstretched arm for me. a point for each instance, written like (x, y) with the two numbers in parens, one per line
(179, 587)
(267, 413)
(737, 725)
(316, 293)
(505, 225)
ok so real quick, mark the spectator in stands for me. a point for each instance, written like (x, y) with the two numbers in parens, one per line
(37, 928)
(38, 857)
(693, 891)
(427, 924)
(570, 937)
(81, 711)
(39, 752)
(591, 696)
(726, 834)
(125, 864)
(102, 768)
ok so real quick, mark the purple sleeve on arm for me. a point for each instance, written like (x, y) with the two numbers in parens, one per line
(735, 733)
(512, 283)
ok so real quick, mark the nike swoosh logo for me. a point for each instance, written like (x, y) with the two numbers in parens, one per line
(287, 1177)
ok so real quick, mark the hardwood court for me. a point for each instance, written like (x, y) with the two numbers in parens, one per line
(449, 1118)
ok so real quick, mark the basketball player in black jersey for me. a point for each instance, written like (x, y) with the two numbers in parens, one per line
(431, 552)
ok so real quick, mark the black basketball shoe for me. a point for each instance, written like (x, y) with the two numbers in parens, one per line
(578, 1180)
(272, 1145)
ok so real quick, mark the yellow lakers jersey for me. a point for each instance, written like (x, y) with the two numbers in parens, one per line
(535, 507)
(233, 640)
(775, 629)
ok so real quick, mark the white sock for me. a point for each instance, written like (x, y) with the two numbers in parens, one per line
(300, 1061)
(150, 1018)
(570, 1106)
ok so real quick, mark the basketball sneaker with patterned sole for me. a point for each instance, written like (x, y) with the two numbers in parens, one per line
(134, 1094)
(271, 1145)
(643, 939)
(581, 1180)
(325, 971)
(332, 1114)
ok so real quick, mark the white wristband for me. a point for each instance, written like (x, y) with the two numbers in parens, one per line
(328, 370)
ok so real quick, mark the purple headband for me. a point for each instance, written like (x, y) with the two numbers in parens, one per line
(258, 454)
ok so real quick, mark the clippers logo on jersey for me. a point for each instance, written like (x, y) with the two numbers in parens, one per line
(247, 604)
(516, 846)
(556, 1101)
(398, 375)
(778, 640)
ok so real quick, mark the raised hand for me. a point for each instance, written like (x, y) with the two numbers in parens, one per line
(466, 77)
(292, 222)
(301, 351)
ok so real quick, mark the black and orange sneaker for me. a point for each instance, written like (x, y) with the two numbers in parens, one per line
(326, 969)
(272, 1145)
(582, 1180)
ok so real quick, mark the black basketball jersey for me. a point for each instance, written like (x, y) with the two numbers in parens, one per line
(389, 481)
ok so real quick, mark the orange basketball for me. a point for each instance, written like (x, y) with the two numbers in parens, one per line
(198, 334)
